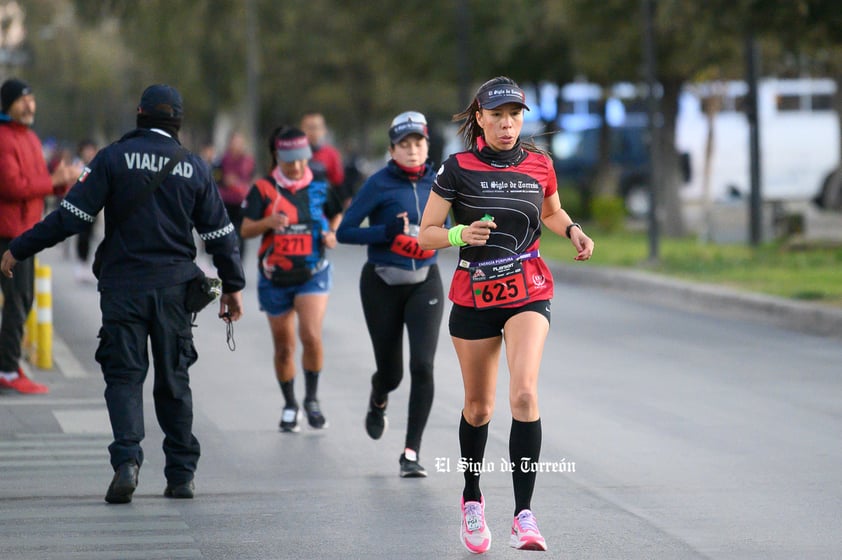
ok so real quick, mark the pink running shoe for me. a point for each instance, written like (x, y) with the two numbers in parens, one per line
(525, 533)
(474, 532)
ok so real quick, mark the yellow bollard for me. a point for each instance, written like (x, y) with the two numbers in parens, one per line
(44, 313)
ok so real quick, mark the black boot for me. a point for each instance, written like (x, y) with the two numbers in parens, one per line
(123, 484)
(183, 491)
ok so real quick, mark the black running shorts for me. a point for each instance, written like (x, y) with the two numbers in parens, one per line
(474, 324)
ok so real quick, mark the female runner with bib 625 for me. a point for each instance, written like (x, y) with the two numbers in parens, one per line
(500, 190)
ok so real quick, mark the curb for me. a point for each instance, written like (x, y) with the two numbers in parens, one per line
(798, 316)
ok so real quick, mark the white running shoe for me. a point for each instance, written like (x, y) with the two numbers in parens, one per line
(474, 533)
(290, 418)
(525, 533)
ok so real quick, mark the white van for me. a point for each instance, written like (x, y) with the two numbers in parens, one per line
(799, 139)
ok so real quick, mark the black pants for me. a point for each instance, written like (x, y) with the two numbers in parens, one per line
(387, 309)
(18, 295)
(129, 320)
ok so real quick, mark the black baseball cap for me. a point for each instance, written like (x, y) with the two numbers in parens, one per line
(161, 100)
(495, 95)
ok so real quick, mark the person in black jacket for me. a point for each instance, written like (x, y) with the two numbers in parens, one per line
(144, 266)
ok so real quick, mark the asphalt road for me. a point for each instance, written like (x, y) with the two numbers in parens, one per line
(681, 433)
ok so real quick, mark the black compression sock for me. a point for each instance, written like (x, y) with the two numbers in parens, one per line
(288, 390)
(311, 385)
(472, 441)
(524, 449)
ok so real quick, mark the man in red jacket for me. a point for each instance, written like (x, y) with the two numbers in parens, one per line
(24, 183)
(325, 156)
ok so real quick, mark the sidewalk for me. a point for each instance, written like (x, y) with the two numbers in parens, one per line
(804, 317)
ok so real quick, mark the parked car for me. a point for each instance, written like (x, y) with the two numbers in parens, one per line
(576, 155)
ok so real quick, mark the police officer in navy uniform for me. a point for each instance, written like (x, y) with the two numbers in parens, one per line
(146, 262)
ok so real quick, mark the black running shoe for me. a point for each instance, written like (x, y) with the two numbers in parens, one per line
(375, 420)
(411, 469)
(289, 419)
(315, 417)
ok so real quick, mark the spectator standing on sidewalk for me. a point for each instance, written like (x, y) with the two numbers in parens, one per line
(85, 152)
(325, 156)
(24, 183)
(237, 171)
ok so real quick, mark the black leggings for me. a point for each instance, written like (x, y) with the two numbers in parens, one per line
(387, 309)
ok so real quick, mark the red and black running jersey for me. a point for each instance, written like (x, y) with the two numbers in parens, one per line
(513, 195)
(300, 245)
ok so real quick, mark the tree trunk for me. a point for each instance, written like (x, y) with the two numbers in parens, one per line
(606, 180)
(669, 176)
(712, 108)
(837, 106)
(831, 198)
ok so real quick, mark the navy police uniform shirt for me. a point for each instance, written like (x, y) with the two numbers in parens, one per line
(152, 246)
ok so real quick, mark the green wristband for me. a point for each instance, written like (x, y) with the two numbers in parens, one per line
(454, 235)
